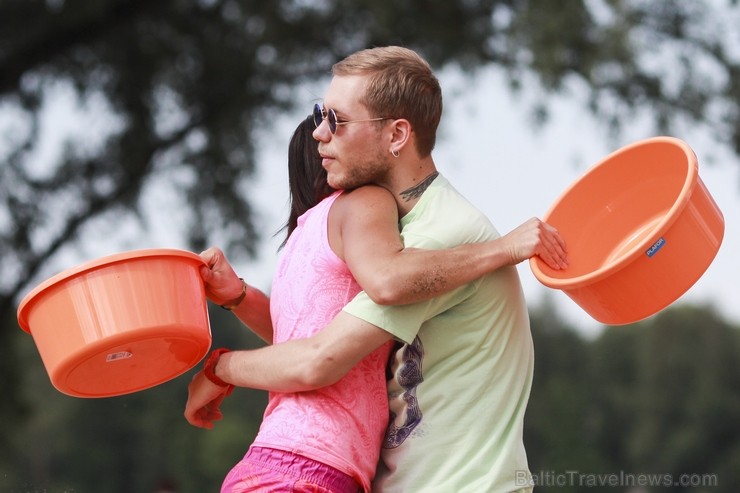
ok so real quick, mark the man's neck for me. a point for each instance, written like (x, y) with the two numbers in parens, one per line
(408, 198)
(415, 192)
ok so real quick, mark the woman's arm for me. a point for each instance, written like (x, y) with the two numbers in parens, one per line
(223, 286)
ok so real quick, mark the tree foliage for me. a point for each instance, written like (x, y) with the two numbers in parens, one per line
(183, 88)
(656, 398)
(187, 84)
(130, 443)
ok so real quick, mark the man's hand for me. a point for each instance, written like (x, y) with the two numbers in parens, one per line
(204, 400)
(535, 237)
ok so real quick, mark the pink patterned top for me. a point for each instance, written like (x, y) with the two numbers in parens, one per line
(341, 425)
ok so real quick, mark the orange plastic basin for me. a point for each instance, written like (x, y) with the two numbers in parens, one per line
(121, 323)
(641, 229)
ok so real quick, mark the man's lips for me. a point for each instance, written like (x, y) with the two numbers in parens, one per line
(326, 160)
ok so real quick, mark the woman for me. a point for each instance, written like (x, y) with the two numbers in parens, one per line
(330, 438)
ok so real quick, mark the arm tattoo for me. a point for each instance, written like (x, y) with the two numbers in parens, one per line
(416, 191)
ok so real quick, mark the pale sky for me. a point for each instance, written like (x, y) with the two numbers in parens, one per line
(488, 149)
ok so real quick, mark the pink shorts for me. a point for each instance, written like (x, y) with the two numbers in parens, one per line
(269, 470)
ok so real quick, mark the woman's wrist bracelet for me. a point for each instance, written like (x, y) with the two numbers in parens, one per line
(209, 369)
(233, 304)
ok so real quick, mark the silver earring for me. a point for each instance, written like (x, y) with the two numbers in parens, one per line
(396, 153)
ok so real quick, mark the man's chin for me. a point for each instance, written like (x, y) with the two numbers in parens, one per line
(336, 183)
(347, 181)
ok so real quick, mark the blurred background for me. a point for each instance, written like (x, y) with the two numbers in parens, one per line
(140, 124)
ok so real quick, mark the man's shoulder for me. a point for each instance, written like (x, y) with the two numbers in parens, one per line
(368, 199)
(365, 196)
(450, 218)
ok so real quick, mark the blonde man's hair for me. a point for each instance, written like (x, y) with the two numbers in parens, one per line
(401, 84)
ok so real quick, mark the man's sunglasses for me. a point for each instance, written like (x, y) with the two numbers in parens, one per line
(320, 114)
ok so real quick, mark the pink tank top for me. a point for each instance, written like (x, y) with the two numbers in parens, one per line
(341, 425)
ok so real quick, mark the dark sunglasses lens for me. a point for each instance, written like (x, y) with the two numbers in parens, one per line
(317, 116)
(332, 117)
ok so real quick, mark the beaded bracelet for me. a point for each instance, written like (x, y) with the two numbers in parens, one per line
(237, 302)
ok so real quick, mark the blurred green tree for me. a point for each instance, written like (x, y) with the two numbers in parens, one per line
(687, 396)
(127, 443)
(559, 429)
(658, 398)
(184, 88)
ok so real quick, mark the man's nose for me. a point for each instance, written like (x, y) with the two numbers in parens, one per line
(322, 133)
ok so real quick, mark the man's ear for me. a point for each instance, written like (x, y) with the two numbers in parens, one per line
(401, 136)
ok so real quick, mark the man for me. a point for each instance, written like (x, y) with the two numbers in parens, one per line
(462, 371)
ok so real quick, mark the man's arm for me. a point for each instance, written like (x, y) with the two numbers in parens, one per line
(392, 275)
(304, 364)
(292, 366)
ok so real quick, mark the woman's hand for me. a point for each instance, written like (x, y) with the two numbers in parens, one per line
(222, 284)
(204, 400)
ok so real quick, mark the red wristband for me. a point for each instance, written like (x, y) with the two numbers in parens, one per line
(209, 368)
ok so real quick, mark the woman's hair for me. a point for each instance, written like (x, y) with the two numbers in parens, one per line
(306, 176)
(401, 84)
